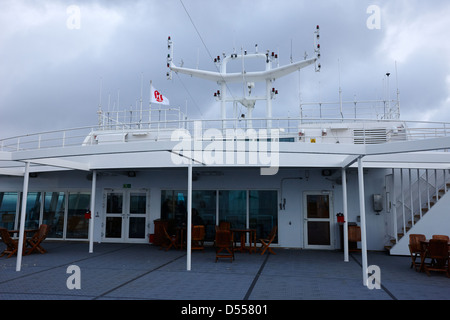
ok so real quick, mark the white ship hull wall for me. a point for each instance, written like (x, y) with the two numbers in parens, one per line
(290, 183)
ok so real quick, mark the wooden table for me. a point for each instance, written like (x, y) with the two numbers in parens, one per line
(26, 231)
(252, 239)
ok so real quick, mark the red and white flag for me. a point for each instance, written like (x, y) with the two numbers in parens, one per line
(157, 97)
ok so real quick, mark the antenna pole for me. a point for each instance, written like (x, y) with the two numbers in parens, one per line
(140, 116)
(340, 89)
(388, 96)
(99, 111)
(398, 92)
(291, 51)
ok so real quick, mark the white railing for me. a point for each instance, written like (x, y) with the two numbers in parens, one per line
(366, 109)
(140, 119)
(288, 127)
(418, 190)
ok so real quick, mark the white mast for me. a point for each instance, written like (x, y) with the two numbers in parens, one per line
(268, 75)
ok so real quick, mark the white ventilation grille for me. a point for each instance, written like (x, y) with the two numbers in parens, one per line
(369, 136)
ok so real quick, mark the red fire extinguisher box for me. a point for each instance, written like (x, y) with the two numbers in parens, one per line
(340, 218)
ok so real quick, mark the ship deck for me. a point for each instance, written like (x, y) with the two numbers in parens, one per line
(136, 272)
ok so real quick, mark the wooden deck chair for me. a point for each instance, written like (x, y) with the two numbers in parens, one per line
(11, 244)
(223, 225)
(198, 237)
(437, 251)
(37, 239)
(224, 244)
(415, 248)
(169, 241)
(266, 242)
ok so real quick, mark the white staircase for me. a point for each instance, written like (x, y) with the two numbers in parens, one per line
(422, 206)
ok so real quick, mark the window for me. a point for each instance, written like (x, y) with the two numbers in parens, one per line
(77, 224)
(233, 207)
(33, 210)
(58, 210)
(174, 207)
(138, 202)
(204, 203)
(8, 208)
(53, 215)
(263, 212)
(256, 209)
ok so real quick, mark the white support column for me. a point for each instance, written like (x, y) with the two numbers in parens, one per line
(91, 221)
(419, 195)
(445, 181)
(189, 216)
(403, 201)
(362, 209)
(344, 204)
(411, 198)
(394, 205)
(23, 217)
(428, 191)
(436, 185)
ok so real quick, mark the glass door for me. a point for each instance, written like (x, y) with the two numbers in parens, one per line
(318, 220)
(136, 216)
(125, 215)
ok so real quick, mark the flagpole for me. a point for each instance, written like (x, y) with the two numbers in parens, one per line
(150, 104)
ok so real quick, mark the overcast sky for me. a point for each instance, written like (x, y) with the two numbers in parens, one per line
(54, 58)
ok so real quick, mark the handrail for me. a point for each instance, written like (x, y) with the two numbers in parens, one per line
(419, 188)
(410, 130)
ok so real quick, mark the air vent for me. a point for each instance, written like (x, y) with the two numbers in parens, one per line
(369, 136)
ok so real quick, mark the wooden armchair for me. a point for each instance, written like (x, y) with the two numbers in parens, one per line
(198, 237)
(11, 244)
(441, 237)
(224, 225)
(268, 241)
(37, 239)
(415, 247)
(224, 244)
(437, 251)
